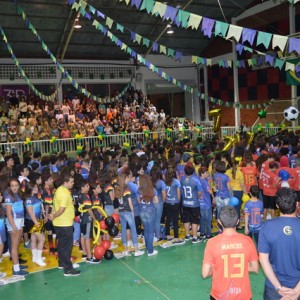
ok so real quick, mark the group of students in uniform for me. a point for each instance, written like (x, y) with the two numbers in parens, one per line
(146, 188)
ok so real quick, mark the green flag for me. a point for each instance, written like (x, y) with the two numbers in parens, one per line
(293, 78)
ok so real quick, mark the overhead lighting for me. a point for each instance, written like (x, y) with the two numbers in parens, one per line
(170, 30)
(77, 24)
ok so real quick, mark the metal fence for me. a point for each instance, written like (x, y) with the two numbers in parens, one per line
(71, 144)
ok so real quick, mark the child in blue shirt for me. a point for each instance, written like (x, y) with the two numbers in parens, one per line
(253, 211)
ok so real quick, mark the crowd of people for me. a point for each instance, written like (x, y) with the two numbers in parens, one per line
(160, 182)
(34, 119)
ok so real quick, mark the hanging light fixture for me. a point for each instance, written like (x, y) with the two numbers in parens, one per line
(77, 24)
(170, 30)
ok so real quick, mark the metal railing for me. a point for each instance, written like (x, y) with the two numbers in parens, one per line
(71, 144)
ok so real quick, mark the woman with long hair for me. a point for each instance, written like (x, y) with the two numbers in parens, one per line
(237, 183)
(147, 197)
(161, 190)
(14, 222)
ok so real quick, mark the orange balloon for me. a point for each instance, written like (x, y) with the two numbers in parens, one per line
(103, 225)
(99, 252)
(106, 244)
(116, 218)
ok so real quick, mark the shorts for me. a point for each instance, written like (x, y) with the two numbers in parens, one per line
(191, 215)
(28, 224)
(269, 202)
(49, 226)
(86, 230)
(18, 222)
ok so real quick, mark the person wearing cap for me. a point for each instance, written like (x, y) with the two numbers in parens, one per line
(191, 191)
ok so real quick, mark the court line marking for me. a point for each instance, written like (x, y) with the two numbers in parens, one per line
(145, 280)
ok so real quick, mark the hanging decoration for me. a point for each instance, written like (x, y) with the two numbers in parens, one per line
(60, 67)
(177, 55)
(262, 114)
(216, 114)
(184, 19)
(22, 72)
(104, 30)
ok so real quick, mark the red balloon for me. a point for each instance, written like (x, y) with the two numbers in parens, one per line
(106, 244)
(116, 218)
(103, 225)
(99, 252)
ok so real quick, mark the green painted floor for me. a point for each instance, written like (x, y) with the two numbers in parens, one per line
(172, 274)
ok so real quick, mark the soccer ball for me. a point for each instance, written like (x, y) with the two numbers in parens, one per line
(291, 114)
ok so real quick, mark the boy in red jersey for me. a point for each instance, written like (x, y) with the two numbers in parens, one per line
(250, 173)
(228, 258)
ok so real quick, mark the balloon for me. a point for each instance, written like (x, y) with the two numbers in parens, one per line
(106, 244)
(37, 228)
(113, 231)
(245, 198)
(110, 222)
(262, 114)
(250, 137)
(99, 252)
(216, 113)
(109, 255)
(284, 175)
(116, 217)
(234, 201)
(103, 224)
(53, 139)
(229, 142)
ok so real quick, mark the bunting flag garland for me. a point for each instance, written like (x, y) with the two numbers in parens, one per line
(184, 19)
(155, 69)
(59, 65)
(133, 54)
(220, 29)
(22, 72)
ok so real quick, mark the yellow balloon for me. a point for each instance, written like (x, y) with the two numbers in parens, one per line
(216, 113)
(245, 198)
(250, 137)
(229, 142)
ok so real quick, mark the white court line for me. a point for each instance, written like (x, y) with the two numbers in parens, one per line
(145, 280)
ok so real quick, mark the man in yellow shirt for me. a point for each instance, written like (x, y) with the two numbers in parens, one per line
(62, 217)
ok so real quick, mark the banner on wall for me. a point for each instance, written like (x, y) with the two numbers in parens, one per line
(293, 78)
(9, 91)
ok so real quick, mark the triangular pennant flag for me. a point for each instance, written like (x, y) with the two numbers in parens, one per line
(183, 17)
(289, 66)
(159, 8)
(162, 49)
(146, 42)
(234, 31)
(221, 28)
(279, 41)
(120, 27)
(264, 38)
(194, 21)
(138, 38)
(109, 22)
(278, 63)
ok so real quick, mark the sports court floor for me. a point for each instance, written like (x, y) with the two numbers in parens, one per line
(172, 274)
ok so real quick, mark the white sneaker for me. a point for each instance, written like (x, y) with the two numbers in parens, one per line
(126, 253)
(129, 244)
(139, 253)
(6, 254)
(2, 274)
(153, 253)
(75, 265)
(40, 262)
(155, 239)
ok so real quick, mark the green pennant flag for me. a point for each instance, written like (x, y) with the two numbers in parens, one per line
(146, 42)
(293, 78)
(183, 17)
(148, 5)
(120, 27)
